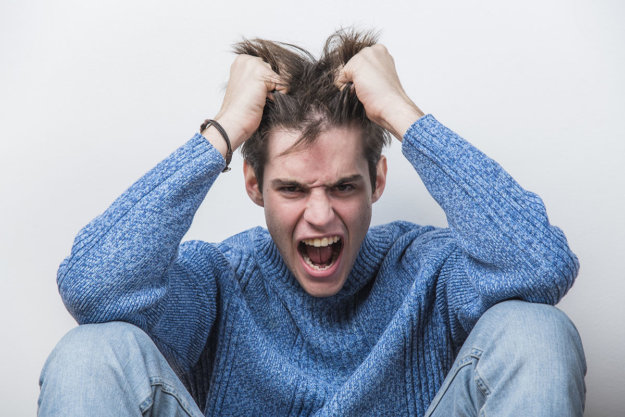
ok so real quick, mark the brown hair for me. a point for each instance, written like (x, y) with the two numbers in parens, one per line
(312, 103)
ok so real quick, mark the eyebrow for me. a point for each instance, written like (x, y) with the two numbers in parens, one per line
(277, 183)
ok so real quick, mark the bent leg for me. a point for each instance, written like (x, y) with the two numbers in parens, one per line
(521, 359)
(111, 369)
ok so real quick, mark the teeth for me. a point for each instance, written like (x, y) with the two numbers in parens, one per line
(318, 243)
(317, 267)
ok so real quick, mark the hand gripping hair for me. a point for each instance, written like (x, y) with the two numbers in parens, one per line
(313, 102)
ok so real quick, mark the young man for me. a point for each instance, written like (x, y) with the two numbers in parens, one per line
(320, 314)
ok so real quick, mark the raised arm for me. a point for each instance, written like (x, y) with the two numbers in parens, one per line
(128, 264)
(506, 247)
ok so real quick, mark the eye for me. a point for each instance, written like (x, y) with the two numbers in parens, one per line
(290, 189)
(344, 188)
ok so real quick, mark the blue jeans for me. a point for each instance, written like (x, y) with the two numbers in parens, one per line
(521, 359)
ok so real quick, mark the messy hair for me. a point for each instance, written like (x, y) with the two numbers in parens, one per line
(313, 103)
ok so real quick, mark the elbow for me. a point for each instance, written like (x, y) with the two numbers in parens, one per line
(80, 295)
(103, 296)
(557, 272)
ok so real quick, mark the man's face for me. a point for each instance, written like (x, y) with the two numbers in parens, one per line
(317, 201)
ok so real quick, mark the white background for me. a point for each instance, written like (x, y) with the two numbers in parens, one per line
(94, 93)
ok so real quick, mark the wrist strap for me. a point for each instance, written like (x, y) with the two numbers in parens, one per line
(222, 132)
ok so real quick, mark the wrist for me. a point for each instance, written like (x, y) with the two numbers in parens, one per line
(212, 130)
(214, 137)
(400, 118)
(234, 130)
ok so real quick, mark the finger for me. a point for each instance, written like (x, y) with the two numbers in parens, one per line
(275, 87)
(280, 89)
(274, 83)
(343, 76)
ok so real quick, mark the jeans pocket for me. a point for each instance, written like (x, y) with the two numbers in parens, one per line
(468, 359)
(166, 400)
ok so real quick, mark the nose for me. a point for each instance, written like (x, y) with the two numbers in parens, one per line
(319, 211)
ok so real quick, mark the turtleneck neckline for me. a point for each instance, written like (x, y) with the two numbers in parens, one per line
(370, 255)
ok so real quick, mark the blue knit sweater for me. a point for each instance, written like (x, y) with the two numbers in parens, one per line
(247, 340)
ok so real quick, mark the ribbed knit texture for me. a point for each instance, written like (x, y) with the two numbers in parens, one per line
(247, 340)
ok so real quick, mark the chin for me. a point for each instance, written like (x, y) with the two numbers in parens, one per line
(323, 290)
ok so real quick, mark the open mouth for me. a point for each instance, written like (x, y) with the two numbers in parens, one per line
(320, 254)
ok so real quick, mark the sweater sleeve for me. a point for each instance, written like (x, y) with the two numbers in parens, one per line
(506, 247)
(128, 264)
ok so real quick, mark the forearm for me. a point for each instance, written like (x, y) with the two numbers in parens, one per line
(400, 117)
(502, 228)
(119, 261)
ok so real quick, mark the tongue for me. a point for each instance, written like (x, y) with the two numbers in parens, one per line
(319, 256)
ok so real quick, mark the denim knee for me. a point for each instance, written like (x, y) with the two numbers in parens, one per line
(542, 331)
(519, 359)
(534, 343)
(92, 347)
(113, 368)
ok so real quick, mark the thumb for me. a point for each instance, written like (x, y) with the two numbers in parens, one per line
(343, 76)
(274, 83)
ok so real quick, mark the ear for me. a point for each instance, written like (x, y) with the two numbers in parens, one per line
(251, 185)
(380, 179)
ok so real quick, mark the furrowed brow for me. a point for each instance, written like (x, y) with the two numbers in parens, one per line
(277, 183)
(351, 178)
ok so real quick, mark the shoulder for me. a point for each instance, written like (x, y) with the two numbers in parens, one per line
(404, 232)
(241, 250)
(405, 241)
(243, 242)
(199, 255)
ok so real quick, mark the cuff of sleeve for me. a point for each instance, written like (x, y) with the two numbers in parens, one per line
(430, 138)
(419, 130)
(201, 145)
